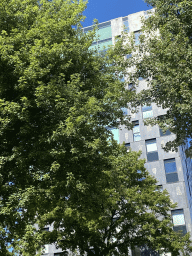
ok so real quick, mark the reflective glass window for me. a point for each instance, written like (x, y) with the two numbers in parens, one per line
(170, 165)
(164, 133)
(127, 145)
(104, 31)
(137, 34)
(151, 145)
(136, 131)
(126, 24)
(147, 111)
(179, 221)
(171, 170)
(152, 153)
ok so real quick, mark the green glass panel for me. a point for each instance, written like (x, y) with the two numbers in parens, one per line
(101, 45)
(115, 134)
(104, 43)
(94, 46)
(104, 33)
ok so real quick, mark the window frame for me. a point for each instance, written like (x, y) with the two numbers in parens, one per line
(179, 227)
(126, 27)
(147, 109)
(152, 155)
(136, 123)
(128, 146)
(169, 173)
(137, 34)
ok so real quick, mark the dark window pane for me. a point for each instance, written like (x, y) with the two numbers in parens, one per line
(46, 229)
(180, 228)
(136, 131)
(172, 177)
(150, 141)
(131, 87)
(61, 253)
(160, 188)
(145, 251)
(170, 165)
(136, 122)
(164, 134)
(127, 145)
(136, 252)
(177, 212)
(152, 156)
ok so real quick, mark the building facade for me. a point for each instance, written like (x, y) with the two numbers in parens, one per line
(171, 169)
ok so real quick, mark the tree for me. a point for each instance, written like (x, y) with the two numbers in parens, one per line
(136, 213)
(165, 47)
(59, 163)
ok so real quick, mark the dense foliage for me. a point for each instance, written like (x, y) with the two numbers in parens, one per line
(165, 56)
(59, 164)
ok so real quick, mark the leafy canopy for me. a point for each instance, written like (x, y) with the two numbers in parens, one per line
(59, 165)
(164, 59)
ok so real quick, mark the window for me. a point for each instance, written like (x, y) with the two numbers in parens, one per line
(152, 153)
(101, 45)
(136, 131)
(160, 188)
(115, 132)
(131, 87)
(127, 145)
(46, 229)
(104, 44)
(164, 133)
(162, 118)
(144, 250)
(126, 24)
(147, 14)
(136, 251)
(103, 36)
(137, 34)
(61, 253)
(46, 249)
(171, 170)
(147, 111)
(179, 221)
(104, 31)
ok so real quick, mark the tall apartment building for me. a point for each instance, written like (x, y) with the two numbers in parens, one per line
(171, 169)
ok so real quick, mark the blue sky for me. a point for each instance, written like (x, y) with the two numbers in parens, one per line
(105, 10)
